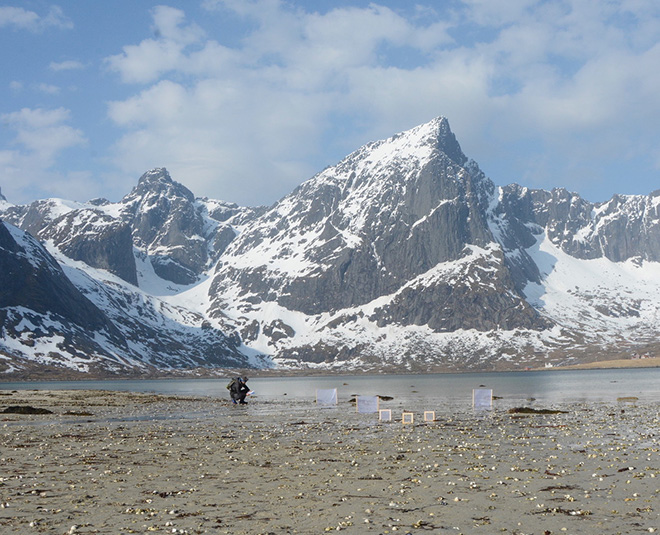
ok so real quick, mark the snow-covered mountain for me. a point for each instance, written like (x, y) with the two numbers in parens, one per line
(128, 259)
(402, 256)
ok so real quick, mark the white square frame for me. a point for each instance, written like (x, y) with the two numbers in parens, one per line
(326, 397)
(366, 404)
(482, 398)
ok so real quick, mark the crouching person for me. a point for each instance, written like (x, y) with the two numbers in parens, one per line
(238, 389)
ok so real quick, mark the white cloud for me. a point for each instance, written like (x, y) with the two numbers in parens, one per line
(68, 65)
(247, 122)
(40, 137)
(18, 17)
(25, 179)
(28, 170)
(48, 89)
(168, 25)
(23, 19)
(251, 120)
(152, 58)
(215, 140)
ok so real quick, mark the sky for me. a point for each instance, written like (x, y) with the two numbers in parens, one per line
(243, 100)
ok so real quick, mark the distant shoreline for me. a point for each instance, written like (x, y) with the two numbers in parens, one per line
(651, 362)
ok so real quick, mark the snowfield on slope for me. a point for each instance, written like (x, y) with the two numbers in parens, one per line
(611, 300)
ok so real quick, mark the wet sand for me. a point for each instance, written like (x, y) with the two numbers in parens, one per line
(115, 463)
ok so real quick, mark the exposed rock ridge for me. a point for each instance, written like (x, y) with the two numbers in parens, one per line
(404, 255)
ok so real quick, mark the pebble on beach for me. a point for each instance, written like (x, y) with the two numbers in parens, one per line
(114, 462)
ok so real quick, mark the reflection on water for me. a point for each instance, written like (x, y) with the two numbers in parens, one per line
(429, 390)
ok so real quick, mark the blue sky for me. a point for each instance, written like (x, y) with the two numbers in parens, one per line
(242, 100)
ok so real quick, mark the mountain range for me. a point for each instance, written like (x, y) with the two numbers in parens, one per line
(404, 256)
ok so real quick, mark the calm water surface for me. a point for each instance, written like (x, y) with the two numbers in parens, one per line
(513, 388)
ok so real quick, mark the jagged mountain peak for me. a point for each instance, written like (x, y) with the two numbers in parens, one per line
(416, 145)
(178, 233)
(436, 134)
(418, 168)
(2, 197)
(358, 230)
(99, 201)
(158, 182)
(59, 319)
(156, 175)
(403, 254)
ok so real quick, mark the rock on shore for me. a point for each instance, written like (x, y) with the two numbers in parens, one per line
(113, 462)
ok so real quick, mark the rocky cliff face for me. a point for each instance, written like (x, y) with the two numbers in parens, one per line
(407, 244)
(403, 256)
(94, 326)
(620, 229)
(82, 232)
(40, 307)
(95, 238)
(160, 222)
(182, 236)
(625, 227)
(31, 277)
(167, 227)
(369, 227)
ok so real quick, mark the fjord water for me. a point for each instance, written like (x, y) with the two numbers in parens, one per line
(513, 388)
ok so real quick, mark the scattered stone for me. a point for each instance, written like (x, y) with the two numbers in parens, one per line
(194, 465)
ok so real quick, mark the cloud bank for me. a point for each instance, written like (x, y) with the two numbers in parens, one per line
(246, 99)
(23, 19)
(540, 80)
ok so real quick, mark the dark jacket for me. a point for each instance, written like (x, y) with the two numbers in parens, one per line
(238, 389)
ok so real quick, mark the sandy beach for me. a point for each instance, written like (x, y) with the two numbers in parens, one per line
(116, 463)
